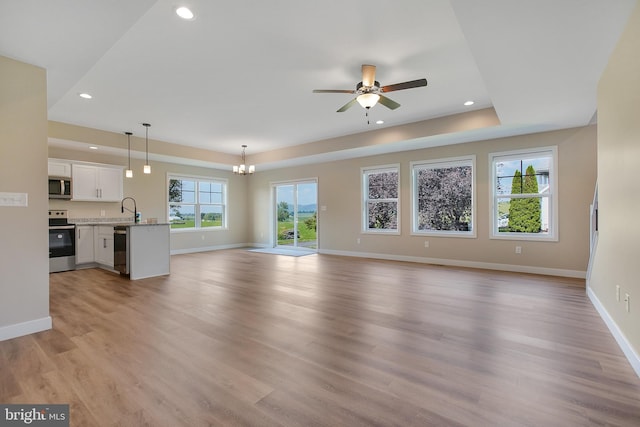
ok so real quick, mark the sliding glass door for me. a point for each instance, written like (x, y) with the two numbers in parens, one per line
(296, 212)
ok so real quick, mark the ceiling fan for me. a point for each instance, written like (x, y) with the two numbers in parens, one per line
(369, 92)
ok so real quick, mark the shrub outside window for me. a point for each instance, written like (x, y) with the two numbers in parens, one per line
(381, 208)
(524, 204)
(443, 197)
(197, 203)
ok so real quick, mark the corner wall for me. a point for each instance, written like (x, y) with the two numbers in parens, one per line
(615, 262)
(24, 258)
(340, 224)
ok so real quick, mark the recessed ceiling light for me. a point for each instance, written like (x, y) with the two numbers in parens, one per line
(469, 103)
(85, 95)
(379, 122)
(185, 13)
(93, 147)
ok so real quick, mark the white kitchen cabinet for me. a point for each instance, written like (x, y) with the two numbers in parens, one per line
(96, 183)
(59, 168)
(85, 244)
(103, 245)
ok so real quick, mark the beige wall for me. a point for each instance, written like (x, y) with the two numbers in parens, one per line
(250, 204)
(149, 191)
(24, 258)
(616, 259)
(339, 190)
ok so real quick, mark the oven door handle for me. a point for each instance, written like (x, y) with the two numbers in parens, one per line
(61, 227)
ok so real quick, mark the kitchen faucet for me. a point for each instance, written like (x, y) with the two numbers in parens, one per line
(134, 211)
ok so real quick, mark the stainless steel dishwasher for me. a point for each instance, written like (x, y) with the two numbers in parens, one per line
(121, 249)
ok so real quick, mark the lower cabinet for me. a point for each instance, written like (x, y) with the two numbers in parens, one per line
(84, 244)
(103, 235)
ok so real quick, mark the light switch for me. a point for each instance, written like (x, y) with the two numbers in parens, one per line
(14, 199)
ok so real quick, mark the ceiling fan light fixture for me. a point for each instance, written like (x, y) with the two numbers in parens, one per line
(368, 100)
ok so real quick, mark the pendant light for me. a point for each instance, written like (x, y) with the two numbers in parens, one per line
(129, 173)
(147, 166)
(242, 168)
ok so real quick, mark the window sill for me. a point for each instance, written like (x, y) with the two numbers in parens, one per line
(454, 234)
(529, 238)
(197, 230)
(381, 233)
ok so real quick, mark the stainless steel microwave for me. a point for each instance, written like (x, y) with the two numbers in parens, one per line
(59, 187)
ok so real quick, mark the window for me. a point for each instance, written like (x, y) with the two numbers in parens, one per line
(197, 202)
(524, 201)
(380, 199)
(443, 197)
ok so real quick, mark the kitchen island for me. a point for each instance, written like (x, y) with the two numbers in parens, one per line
(142, 250)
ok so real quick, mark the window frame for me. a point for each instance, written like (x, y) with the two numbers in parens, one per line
(197, 205)
(365, 172)
(448, 162)
(552, 195)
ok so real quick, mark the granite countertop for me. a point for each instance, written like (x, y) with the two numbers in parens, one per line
(141, 224)
(101, 221)
(110, 221)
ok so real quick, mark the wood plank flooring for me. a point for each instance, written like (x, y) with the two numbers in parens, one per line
(242, 338)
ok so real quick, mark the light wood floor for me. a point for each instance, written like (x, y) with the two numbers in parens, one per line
(241, 338)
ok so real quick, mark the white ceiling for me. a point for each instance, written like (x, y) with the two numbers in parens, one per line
(243, 71)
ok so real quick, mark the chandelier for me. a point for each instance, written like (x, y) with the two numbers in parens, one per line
(242, 168)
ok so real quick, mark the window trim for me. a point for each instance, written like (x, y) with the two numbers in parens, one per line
(445, 162)
(553, 197)
(198, 178)
(364, 220)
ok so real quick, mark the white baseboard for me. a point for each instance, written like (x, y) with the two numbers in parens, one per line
(208, 248)
(622, 341)
(461, 263)
(25, 328)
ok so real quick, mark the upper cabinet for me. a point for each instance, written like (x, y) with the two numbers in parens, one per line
(96, 183)
(59, 168)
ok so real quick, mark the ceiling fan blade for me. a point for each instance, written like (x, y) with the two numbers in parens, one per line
(368, 75)
(348, 105)
(389, 103)
(333, 91)
(405, 85)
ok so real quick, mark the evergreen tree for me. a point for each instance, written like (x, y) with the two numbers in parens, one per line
(524, 214)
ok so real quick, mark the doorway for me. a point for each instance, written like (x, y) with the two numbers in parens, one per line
(296, 215)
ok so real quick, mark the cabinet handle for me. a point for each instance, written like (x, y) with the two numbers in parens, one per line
(104, 243)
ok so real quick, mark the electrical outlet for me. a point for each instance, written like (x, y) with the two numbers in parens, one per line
(518, 249)
(618, 293)
(426, 243)
(358, 240)
(102, 212)
(627, 302)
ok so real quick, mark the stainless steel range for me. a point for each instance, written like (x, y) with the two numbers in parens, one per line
(62, 242)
